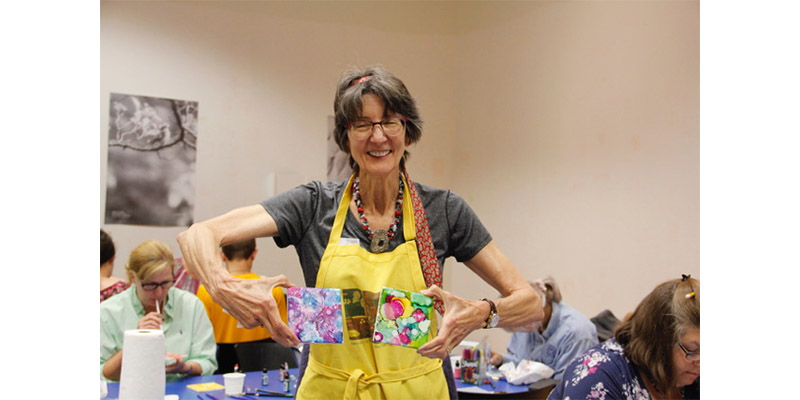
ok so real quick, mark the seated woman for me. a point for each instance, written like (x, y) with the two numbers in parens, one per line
(655, 353)
(109, 285)
(152, 303)
(563, 334)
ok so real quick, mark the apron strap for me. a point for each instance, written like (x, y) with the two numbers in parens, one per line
(427, 254)
(358, 380)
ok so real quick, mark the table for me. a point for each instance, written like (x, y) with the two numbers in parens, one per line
(504, 390)
(466, 391)
(251, 380)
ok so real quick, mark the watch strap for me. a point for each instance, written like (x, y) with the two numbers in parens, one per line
(492, 313)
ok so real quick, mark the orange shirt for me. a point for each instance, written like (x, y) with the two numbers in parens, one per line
(226, 328)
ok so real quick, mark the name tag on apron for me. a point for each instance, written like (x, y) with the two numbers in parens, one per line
(348, 241)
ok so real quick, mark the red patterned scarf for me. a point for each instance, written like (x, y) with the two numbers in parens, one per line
(427, 254)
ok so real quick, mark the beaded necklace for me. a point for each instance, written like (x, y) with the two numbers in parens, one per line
(380, 238)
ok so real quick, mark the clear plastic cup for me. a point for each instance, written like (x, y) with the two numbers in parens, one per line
(234, 383)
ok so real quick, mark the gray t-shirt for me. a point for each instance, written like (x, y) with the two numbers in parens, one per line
(305, 215)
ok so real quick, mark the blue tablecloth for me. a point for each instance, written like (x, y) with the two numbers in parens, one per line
(252, 380)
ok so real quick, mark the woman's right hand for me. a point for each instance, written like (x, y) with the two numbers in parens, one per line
(250, 301)
(151, 320)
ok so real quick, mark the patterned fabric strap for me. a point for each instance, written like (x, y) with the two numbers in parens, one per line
(427, 254)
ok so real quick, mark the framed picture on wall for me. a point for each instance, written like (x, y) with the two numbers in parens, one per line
(151, 161)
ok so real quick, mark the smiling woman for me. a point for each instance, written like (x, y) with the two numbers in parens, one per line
(376, 229)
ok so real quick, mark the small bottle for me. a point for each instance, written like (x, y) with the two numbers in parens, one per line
(286, 385)
(264, 378)
(457, 371)
(468, 375)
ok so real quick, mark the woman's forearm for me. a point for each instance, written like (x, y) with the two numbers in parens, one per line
(199, 248)
(200, 244)
(113, 367)
(519, 304)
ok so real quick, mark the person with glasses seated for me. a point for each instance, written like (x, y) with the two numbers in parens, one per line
(654, 354)
(152, 303)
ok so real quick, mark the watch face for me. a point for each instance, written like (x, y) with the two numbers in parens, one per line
(495, 321)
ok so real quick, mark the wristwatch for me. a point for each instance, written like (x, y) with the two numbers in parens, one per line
(493, 319)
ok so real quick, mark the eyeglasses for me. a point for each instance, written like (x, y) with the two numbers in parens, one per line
(391, 127)
(150, 286)
(690, 355)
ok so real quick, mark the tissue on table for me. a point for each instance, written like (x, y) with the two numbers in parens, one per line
(526, 372)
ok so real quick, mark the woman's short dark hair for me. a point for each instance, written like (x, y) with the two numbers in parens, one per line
(106, 247)
(650, 334)
(374, 79)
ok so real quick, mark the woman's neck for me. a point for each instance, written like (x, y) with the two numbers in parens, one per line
(106, 279)
(379, 193)
(548, 312)
(670, 393)
(106, 270)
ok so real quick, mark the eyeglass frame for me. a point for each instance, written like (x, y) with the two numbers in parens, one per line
(690, 356)
(402, 118)
(155, 285)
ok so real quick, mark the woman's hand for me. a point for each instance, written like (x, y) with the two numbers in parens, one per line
(151, 320)
(496, 359)
(250, 301)
(178, 367)
(461, 318)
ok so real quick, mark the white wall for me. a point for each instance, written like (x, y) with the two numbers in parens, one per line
(264, 75)
(572, 128)
(579, 143)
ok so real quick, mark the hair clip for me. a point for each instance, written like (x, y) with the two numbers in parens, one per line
(689, 295)
(684, 277)
(361, 80)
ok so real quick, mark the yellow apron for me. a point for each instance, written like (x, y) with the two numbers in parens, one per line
(360, 369)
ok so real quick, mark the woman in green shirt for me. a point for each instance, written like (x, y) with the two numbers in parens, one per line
(152, 303)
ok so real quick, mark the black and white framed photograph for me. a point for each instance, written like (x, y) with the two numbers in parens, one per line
(151, 161)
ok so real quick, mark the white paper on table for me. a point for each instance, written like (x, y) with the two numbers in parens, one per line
(526, 372)
(474, 389)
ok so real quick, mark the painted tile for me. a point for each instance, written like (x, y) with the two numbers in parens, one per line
(403, 319)
(315, 314)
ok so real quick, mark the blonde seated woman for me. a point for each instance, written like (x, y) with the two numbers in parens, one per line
(152, 303)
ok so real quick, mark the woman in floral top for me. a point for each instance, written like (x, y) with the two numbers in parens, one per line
(109, 285)
(655, 353)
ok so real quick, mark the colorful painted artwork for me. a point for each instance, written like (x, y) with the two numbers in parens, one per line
(315, 314)
(404, 318)
(360, 307)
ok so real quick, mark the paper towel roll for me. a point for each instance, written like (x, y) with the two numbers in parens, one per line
(142, 375)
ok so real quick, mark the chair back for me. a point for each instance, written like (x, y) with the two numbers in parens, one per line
(605, 322)
(255, 356)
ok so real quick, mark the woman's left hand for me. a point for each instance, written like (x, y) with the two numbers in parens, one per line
(179, 367)
(461, 317)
